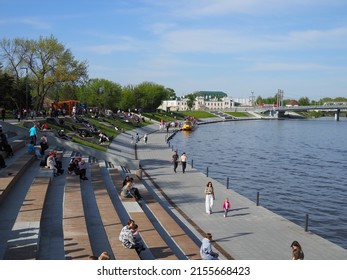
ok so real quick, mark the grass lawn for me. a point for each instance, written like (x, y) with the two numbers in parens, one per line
(239, 114)
(165, 116)
(198, 114)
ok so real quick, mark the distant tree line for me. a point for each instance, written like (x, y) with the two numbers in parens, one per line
(38, 72)
(303, 101)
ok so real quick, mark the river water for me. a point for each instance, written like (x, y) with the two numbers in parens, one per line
(298, 167)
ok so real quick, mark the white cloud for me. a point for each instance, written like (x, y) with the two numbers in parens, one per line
(207, 8)
(161, 27)
(330, 38)
(289, 67)
(122, 44)
(33, 22)
(225, 41)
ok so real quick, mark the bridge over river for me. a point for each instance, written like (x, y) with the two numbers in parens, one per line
(335, 108)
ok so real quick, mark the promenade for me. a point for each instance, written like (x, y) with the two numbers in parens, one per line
(249, 232)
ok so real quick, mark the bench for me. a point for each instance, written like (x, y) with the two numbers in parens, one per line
(10, 174)
(24, 244)
(76, 239)
(155, 243)
(110, 219)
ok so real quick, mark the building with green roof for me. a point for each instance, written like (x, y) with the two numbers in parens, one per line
(211, 94)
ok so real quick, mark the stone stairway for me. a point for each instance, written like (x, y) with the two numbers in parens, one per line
(72, 218)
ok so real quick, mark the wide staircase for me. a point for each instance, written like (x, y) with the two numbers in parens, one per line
(56, 218)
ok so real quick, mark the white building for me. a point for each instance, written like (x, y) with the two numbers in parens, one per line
(199, 104)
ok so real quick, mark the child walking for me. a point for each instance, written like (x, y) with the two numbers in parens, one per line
(226, 207)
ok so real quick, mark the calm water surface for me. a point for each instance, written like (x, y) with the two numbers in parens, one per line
(298, 166)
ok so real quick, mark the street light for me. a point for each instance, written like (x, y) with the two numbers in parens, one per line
(26, 87)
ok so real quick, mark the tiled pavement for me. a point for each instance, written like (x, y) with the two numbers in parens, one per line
(250, 232)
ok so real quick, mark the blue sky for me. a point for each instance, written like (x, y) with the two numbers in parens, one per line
(235, 46)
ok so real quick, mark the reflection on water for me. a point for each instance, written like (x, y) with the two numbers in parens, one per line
(298, 166)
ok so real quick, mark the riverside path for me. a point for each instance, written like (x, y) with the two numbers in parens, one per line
(250, 232)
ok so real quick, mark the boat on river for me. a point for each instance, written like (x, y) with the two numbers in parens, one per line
(188, 125)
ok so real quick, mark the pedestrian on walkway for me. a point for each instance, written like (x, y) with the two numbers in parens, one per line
(206, 251)
(145, 138)
(183, 160)
(297, 252)
(33, 133)
(175, 159)
(137, 138)
(209, 193)
(226, 207)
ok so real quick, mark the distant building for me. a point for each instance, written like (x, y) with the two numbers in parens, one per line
(243, 101)
(208, 95)
(292, 103)
(206, 100)
(200, 103)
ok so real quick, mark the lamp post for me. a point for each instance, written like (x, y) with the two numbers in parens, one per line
(26, 88)
(251, 99)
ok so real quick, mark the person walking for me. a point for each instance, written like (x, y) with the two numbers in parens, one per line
(209, 193)
(33, 133)
(145, 138)
(183, 160)
(206, 251)
(137, 138)
(226, 207)
(175, 158)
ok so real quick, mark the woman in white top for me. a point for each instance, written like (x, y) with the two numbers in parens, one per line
(183, 161)
(209, 193)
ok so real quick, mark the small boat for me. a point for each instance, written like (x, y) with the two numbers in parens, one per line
(188, 125)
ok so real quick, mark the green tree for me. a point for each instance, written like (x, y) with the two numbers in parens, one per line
(191, 100)
(128, 98)
(304, 101)
(259, 100)
(171, 93)
(49, 63)
(149, 96)
(100, 93)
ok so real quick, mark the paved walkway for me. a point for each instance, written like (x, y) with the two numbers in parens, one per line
(250, 232)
